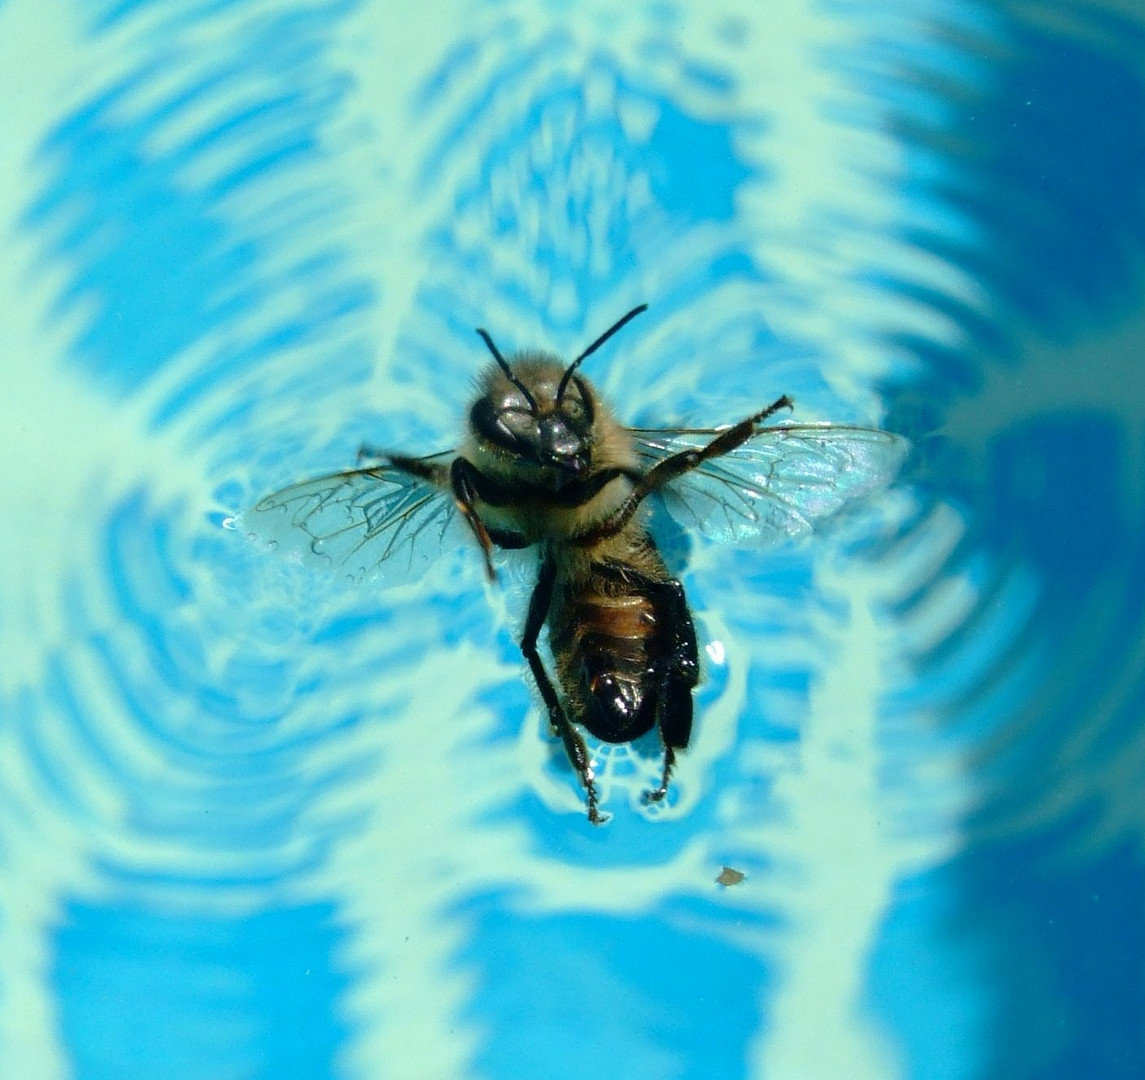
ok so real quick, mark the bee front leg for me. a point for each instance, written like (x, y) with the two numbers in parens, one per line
(558, 721)
(464, 495)
(670, 468)
(724, 443)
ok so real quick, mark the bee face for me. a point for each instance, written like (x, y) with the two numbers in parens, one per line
(530, 421)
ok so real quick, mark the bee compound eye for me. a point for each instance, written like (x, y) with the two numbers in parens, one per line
(517, 422)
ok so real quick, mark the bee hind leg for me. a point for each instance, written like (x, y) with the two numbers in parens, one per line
(674, 701)
(574, 745)
(657, 794)
(578, 756)
(674, 722)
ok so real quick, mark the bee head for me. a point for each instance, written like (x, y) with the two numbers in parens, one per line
(538, 412)
(522, 413)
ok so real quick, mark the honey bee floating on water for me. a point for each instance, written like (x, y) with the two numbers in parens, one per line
(544, 463)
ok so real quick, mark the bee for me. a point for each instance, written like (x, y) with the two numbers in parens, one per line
(544, 463)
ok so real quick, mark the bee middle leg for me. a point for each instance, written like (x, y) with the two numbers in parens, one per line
(574, 745)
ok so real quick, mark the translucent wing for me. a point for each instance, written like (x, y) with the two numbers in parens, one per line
(779, 483)
(373, 522)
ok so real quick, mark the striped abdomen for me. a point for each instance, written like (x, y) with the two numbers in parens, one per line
(626, 656)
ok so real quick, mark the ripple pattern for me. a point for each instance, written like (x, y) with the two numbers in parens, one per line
(257, 821)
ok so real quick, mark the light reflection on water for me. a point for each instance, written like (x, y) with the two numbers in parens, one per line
(259, 821)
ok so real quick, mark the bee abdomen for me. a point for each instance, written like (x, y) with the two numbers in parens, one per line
(606, 650)
(617, 629)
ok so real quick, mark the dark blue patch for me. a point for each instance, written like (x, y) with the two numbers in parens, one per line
(928, 985)
(694, 169)
(1057, 493)
(144, 994)
(1061, 950)
(151, 253)
(560, 993)
(1029, 971)
(1063, 225)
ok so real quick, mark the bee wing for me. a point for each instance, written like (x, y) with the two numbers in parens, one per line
(378, 521)
(777, 484)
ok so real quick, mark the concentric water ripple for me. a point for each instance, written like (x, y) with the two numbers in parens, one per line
(257, 820)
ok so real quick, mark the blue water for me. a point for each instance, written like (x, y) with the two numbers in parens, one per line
(258, 821)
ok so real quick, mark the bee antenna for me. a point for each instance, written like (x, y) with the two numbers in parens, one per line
(508, 370)
(594, 346)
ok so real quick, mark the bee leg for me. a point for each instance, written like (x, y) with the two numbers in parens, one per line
(658, 793)
(371, 452)
(674, 702)
(558, 721)
(431, 472)
(458, 477)
(667, 470)
(724, 443)
(464, 494)
(674, 722)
